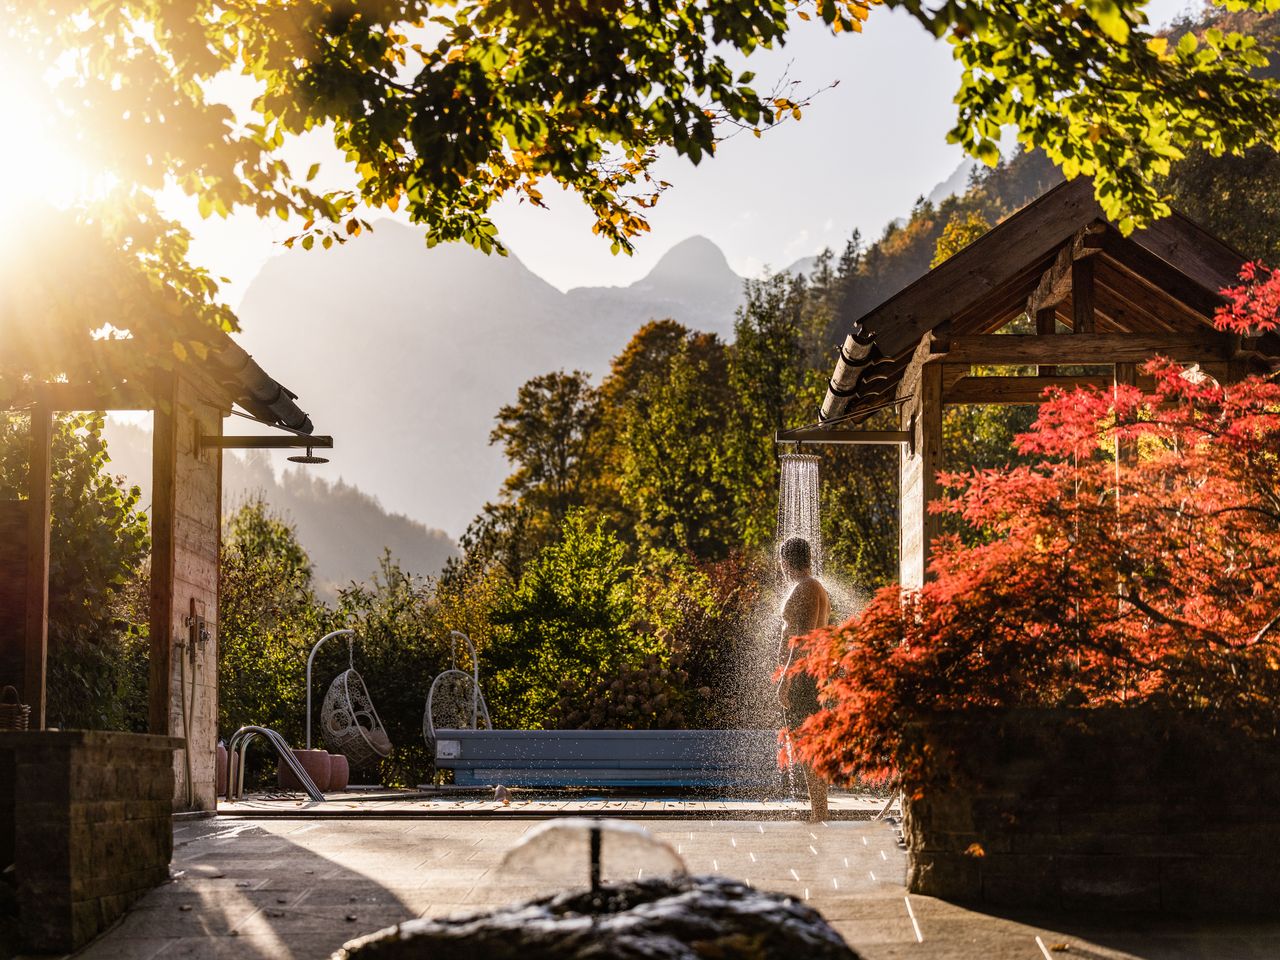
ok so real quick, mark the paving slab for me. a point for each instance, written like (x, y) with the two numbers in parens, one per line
(297, 889)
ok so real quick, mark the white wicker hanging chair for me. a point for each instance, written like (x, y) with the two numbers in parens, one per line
(455, 700)
(349, 724)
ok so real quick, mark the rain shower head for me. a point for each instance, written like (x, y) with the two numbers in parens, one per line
(309, 457)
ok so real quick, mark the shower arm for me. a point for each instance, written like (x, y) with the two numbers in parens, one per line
(824, 432)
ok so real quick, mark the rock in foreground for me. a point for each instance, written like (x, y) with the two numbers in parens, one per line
(684, 918)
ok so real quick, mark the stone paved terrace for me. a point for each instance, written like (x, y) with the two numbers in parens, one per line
(297, 889)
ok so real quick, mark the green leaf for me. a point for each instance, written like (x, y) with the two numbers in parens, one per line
(1109, 18)
(987, 152)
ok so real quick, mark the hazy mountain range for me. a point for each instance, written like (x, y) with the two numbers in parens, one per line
(404, 355)
(343, 529)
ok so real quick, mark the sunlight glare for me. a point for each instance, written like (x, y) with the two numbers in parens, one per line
(38, 167)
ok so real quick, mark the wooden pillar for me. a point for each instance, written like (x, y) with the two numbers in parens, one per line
(36, 646)
(1047, 326)
(1126, 374)
(1082, 295)
(186, 525)
(918, 486)
(164, 446)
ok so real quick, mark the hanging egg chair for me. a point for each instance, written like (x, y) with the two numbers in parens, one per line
(455, 700)
(349, 724)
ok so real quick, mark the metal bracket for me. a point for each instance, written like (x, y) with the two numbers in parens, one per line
(208, 442)
(828, 435)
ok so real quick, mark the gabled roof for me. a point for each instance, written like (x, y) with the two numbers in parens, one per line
(1166, 278)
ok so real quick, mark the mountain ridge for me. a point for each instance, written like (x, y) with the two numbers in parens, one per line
(405, 354)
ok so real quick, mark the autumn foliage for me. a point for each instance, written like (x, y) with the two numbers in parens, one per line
(1136, 560)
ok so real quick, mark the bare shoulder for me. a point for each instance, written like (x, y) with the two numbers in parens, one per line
(809, 589)
(804, 603)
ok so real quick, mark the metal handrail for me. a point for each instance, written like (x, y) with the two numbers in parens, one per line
(238, 749)
(310, 657)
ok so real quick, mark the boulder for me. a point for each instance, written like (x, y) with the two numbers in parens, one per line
(682, 918)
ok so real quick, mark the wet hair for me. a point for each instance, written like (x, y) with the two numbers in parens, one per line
(795, 553)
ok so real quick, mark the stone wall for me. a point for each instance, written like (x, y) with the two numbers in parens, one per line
(1117, 809)
(86, 818)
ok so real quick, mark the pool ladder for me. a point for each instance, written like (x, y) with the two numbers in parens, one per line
(238, 747)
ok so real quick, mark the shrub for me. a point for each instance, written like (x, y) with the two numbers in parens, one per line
(268, 619)
(400, 647)
(567, 633)
(98, 546)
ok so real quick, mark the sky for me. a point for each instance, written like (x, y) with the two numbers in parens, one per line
(861, 155)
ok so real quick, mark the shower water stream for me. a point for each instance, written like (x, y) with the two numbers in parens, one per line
(798, 509)
(799, 516)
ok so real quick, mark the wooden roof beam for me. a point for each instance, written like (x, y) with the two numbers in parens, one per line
(1083, 348)
(1013, 390)
(1146, 269)
(1056, 283)
(1164, 312)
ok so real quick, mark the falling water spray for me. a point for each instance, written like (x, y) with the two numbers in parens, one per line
(798, 514)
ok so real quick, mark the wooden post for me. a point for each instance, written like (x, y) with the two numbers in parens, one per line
(1047, 326)
(1126, 374)
(918, 487)
(36, 653)
(185, 523)
(164, 453)
(1082, 295)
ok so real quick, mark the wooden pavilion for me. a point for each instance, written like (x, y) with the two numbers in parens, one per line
(189, 399)
(1101, 305)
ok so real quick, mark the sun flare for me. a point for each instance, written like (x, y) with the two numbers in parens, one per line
(39, 165)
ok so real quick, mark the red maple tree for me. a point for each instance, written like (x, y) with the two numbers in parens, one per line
(1136, 561)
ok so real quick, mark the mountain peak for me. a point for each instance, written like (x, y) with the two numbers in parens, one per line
(693, 259)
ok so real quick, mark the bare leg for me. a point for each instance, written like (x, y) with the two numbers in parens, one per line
(817, 794)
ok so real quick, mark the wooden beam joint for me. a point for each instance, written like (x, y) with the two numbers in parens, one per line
(1056, 282)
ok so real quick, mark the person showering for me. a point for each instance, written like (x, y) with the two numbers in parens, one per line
(806, 607)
